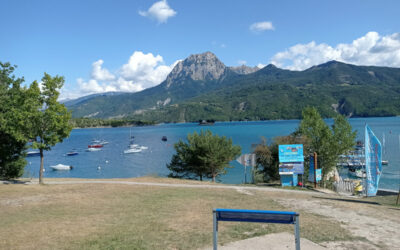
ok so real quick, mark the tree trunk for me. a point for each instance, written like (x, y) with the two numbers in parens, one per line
(213, 178)
(41, 167)
(201, 178)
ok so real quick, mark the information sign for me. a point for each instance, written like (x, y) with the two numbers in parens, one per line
(291, 168)
(291, 153)
(318, 176)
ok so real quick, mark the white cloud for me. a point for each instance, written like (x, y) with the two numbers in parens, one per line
(146, 70)
(371, 49)
(159, 11)
(261, 26)
(140, 72)
(242, 62)
(99, 73)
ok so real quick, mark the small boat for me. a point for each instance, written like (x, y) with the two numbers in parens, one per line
(33, 153)
(61, 167)
(132, 150)
(95, 146)
(93, 149)
(72, 153)
(164, 138)
(385, 162)
(206, 122)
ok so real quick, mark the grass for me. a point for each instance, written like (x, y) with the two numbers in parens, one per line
(112, 216)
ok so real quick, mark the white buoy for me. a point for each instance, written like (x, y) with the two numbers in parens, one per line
(98, 168)
(106, 161)
(44, 170)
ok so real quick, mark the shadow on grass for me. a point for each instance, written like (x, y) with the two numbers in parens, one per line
(9, 182)
(348, 200)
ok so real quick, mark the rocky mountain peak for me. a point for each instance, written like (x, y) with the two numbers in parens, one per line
(198, 67)
(244, 70)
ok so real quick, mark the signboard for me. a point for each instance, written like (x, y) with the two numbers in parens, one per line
(373, 161)
(311, 171)
(291, 168)
(318, 175)
(247, 160)
(291, 153)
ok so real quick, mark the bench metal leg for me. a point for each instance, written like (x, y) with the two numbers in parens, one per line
(297, 232)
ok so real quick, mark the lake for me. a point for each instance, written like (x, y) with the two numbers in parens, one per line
(110, 162)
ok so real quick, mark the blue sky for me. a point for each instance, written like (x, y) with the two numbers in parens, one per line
(131, 45)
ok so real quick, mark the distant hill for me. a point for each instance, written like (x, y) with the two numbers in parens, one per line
(201, 87)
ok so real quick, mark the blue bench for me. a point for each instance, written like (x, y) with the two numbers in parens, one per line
(261, 216)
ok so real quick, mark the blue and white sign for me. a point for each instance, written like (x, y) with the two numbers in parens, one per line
(291, 168)
(291, 153)
(318, 176)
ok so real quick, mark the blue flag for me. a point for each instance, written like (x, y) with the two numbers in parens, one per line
(373, 161)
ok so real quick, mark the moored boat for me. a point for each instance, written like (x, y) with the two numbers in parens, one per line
(93, 149)
(164, 138)
(95, 146)
(61, 167)
(33, 153)
(72, 153)
(132, 150)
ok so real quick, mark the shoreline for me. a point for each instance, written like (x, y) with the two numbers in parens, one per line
(165, 180)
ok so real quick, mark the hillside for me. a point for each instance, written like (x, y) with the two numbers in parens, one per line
(202, 87)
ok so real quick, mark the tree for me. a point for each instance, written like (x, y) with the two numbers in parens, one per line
(327, 143)
(14, 108)
(50, 120)
(204, 155)
(267, 156)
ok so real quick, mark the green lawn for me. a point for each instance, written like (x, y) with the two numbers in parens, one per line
(112, 216)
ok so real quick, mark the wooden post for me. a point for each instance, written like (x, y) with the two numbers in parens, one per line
(315, 170)
(398, 198)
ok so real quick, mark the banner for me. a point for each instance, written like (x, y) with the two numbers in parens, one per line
(373, 161)
(311, 169)
(291, 153)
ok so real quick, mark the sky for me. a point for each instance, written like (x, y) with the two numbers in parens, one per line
(121, 45)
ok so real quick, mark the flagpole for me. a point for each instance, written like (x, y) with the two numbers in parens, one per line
(365, 155)
(398, 195)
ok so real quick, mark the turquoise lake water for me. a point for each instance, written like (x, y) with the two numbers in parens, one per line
(114, 164)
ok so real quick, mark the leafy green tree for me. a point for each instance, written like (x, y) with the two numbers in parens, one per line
(327, 143)
(50, 121)
(343, 135)
(14, 108)
(203, 155)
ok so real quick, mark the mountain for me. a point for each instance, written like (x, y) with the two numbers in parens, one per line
(70, 102)
(244, 70)
(191, 77)
(202, 87)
